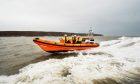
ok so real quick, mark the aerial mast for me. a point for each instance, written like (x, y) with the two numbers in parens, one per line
(90, 34)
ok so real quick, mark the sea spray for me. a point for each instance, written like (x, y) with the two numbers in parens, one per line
(114, 62)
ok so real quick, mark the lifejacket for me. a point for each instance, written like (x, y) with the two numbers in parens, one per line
(78, 40)
(67, 40)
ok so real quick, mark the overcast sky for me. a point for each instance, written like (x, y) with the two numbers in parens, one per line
(108, 17)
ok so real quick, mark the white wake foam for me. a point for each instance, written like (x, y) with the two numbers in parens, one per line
(117, 59)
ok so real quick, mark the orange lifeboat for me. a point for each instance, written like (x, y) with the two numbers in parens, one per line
(51, 46)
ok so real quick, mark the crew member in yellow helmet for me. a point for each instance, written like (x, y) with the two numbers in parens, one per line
(78, 39)
(67, 40)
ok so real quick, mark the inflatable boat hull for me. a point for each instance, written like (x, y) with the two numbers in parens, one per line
(51, 46)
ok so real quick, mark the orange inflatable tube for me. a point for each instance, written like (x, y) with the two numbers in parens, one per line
(51, 46)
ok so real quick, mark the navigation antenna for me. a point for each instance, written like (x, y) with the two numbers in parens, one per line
(90, 34)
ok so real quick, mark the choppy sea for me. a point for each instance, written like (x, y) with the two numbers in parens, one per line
(116, 61)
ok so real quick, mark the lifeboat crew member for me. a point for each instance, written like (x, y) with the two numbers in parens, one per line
(78, 39)
(74, 39)
(67, 40)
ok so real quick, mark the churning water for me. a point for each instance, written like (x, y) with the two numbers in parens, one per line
(114, 62)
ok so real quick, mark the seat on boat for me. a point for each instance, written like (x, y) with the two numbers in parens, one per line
(61, 40)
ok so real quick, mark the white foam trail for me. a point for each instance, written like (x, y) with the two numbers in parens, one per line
(116, 59)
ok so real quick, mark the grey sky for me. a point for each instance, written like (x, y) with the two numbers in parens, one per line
(109, 17)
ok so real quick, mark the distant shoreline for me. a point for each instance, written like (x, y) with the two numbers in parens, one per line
(39, 33)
